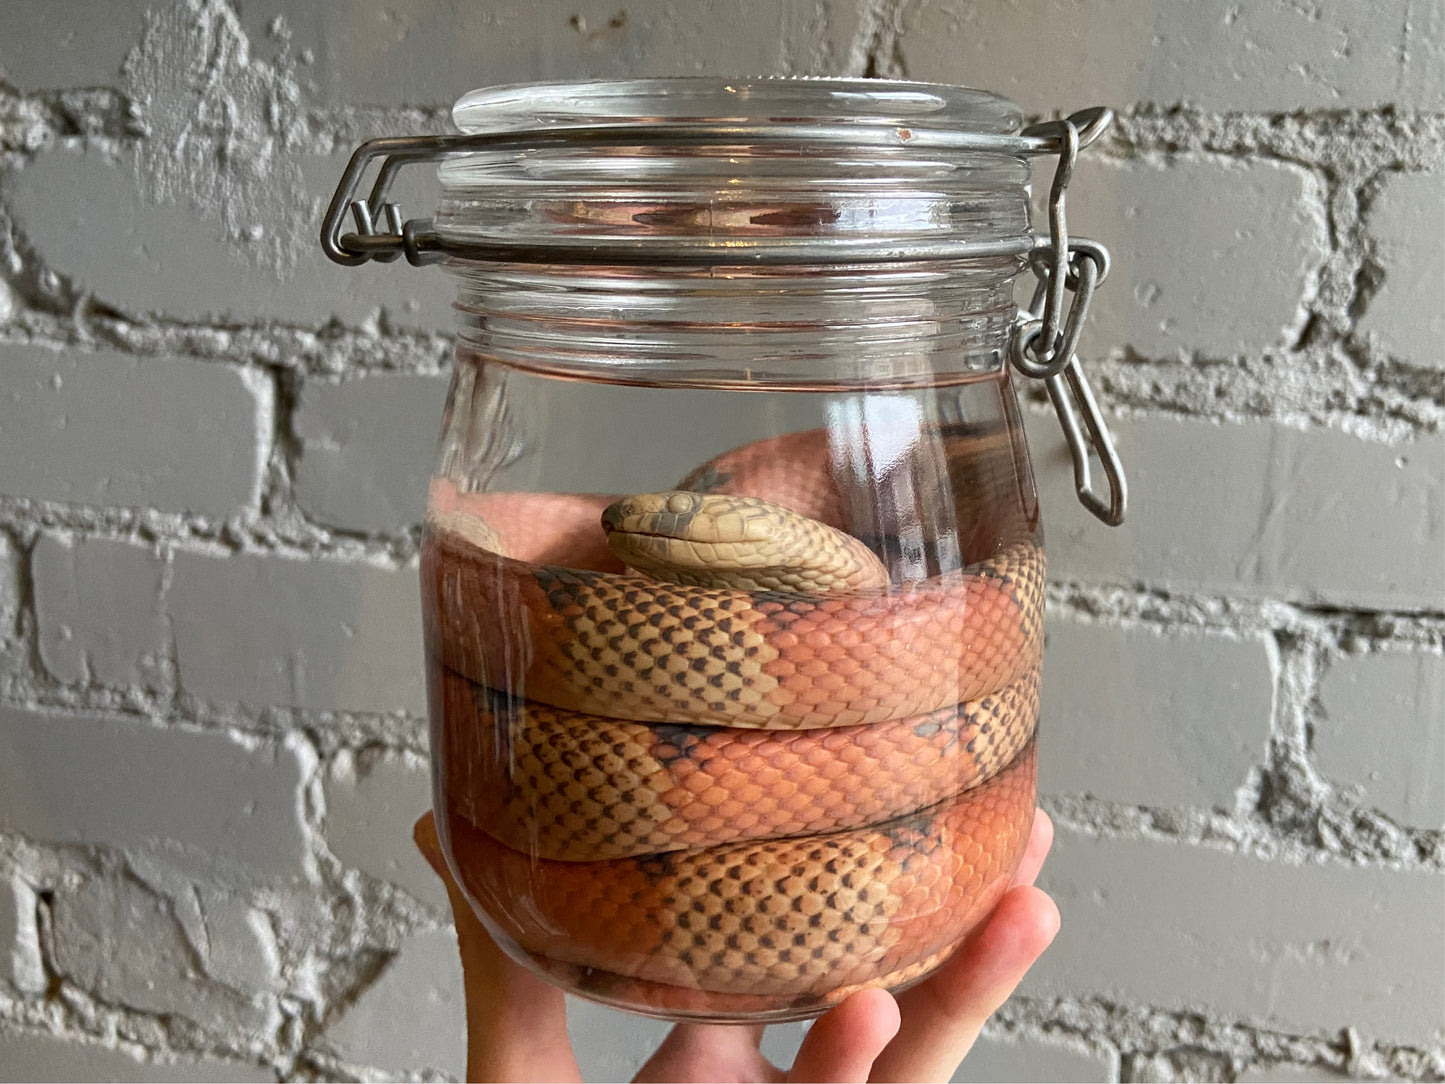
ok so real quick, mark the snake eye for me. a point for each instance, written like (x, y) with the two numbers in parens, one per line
(680, 503)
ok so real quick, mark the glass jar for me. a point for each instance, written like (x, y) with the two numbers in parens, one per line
(732, 575)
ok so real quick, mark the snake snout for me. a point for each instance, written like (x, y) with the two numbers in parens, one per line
(667, 514)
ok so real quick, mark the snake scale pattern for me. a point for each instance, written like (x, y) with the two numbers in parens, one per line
(686, 773)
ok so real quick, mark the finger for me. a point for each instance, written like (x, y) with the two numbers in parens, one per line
(1040, 840)
(843, 1043)
(516, 1023)
(709, 1052)
(943, 1015)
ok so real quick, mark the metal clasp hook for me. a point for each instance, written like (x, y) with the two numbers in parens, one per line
(1070, 383)
(413, 238)
(1041, 350)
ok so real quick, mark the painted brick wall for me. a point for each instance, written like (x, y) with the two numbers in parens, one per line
(212, 733)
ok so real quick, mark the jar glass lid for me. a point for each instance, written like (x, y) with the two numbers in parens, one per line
(714, 170)
(876, 103)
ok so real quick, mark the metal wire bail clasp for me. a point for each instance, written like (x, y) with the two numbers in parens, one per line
(380, 233)
(1044, 340)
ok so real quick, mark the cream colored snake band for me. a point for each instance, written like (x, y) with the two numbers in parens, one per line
(705, 752)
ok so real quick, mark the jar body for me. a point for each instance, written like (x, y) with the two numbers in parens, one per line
(710, 758)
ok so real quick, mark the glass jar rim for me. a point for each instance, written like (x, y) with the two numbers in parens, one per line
(768, 101)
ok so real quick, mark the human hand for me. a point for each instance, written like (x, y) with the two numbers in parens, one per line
(517, 1024)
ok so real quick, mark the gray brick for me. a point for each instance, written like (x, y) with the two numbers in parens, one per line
(97, 609)
(411, 1018)
(372, 801)
(11, 908)
(235, 943)
(21, 967)
(42, 1055)
(1406, 222)
(366, 450)
(342, 56)
(9, 588)
(231, 922)
(1315, 947)
(434, 54)
(1225, 215)
(308, 634)
(91, 221)
(1268, 56)
(1255, 509)
(121, 942)
(81, 50)
(1287, 1074)
(1132, 716)
(68, 431)
(997, 1059)
(196, 797)
(1384, 731)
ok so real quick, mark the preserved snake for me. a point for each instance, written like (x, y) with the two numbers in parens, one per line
(709, 748)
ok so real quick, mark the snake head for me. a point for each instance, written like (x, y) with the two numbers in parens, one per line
(720, 540)
(685, 516)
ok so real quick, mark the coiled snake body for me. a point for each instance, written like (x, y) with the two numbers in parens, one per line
(714, 779)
